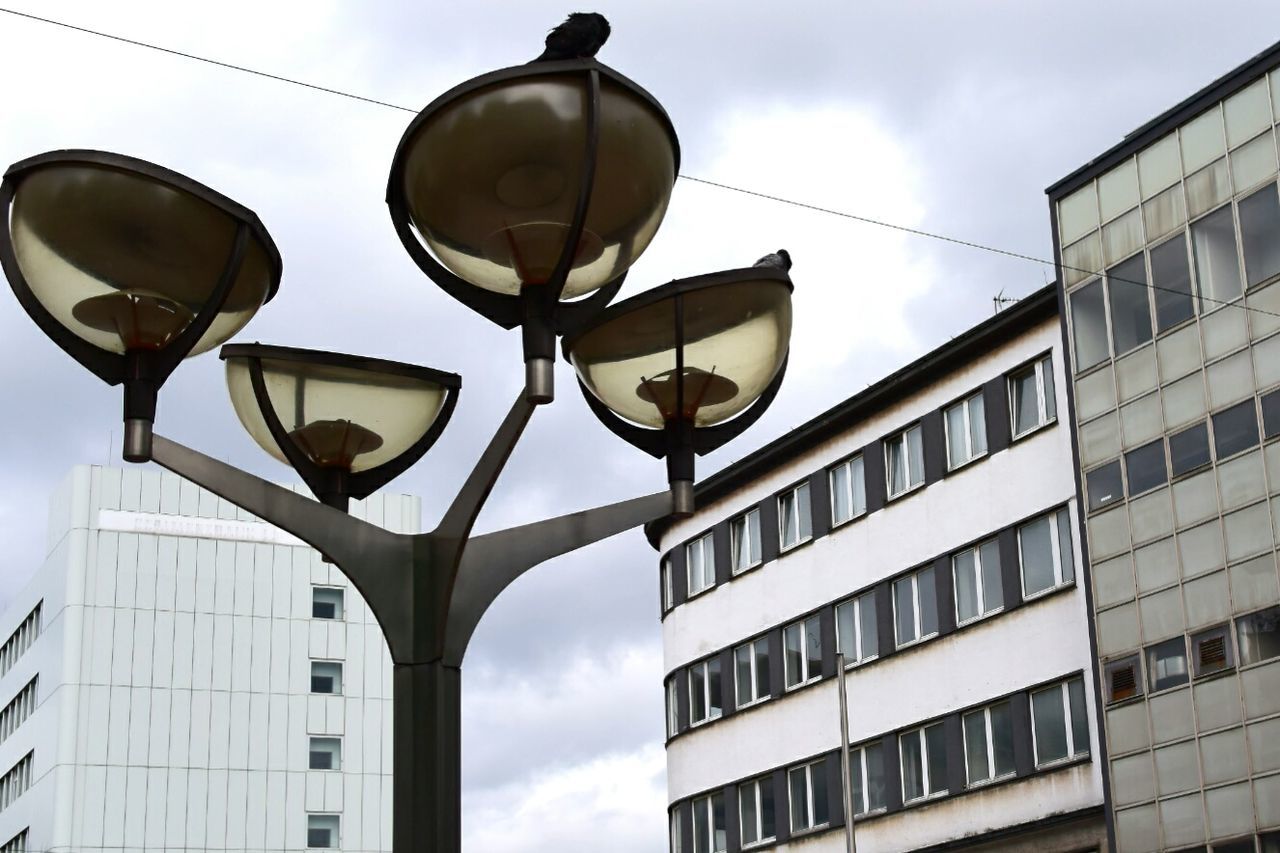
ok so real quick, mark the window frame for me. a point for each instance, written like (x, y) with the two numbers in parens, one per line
(979, 581)
(857, 602)
(759, 688)
(808, 769)
(340, 608)
(847, 464)
(337, 754)
(709, 799)
(1148, 655)
(339, 685)
(858, 763)
(705, 664)
(673, 707)
(1243, 647)
(750, 521)
(902, 437)
(706, 547)
(803, 519)
(808, 677)
(1044, 419)
(668, 584)
(930, 792)
(1073, 754)
(990, 747)
(966, 407)
(754, 786)
(1055, 545)
(335, 839)
(920, 637)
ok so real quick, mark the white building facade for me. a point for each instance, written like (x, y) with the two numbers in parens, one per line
(179, 675)
(927, 530)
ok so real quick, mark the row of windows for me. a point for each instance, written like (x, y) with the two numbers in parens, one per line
(20, 640)
(1257, 637)
(1268, 843)
(1031, 405)
(1235, 429)
(18, 709)
(1045, 562)
(16, 781)
(1059, 731)
(17, 844)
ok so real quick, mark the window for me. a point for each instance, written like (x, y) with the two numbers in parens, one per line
(19, 708)
(755, 806)
(904, 460)
(1235, 429)
(856, 635)
(1044, 547)
(700, 563)
(1130, 309)
(15, 782)
(744, 541)
(322, 831)
(1211, 650)
(704, 691)
(20, 640)
(1146, 467)
(866, 778)
(915, 607)
(1167, 664)
(1089, 325)
(1259, 225)
(808, 788)
(673, 708)
(924, 762)
(326, 602)
(1104, 485)
(325, 753)
(326, 676)
(1259, 635)
(1172, 275)
(677, 835)
(1213, 242)
(802, 651)
(795, 524)
(977, 581)
(751, 671)
(966, 426)
(709, 834)
(668, 591)
(1189, 449)
(988, 743)
(1271, 414)
(1122, 678)
(848, 491)
(1031, 397)
(1060, 729)
(17, 844)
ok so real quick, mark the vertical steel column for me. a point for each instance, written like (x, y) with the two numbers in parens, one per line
(427, 774)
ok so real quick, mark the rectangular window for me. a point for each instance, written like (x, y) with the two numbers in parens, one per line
(325, 753)
(755, 806)
(704, 691)
(1213, 242)
(977, 581)
(1031, 397)
(802, 652)
(326, 676)
(1130, 307)
(700, 563)
(677, 833)
(668, 591)
(1172, 275)
(20, 640)
(19, 708)
(744, 541)
(808, 789)
(1235, 429)
(1211, 650)
(1167, 664)
(915, 607)
(1259, 636)
(1044, 548)
(326, 602)
(904, 460)
(1189, 449)
(1123, 681)
(1089, 325)
(1259, 229)
(966, 427)
(1271, 414)
(856, 635)
(1060, 729)
(673, 708)
(924, 762)
(848, 490)
(988, 743)
(795, 523)
(322, 831)
(709, 835)
(16, 781)
(751, 671)
(866, 778)
(1146, 467)
(1104, 485)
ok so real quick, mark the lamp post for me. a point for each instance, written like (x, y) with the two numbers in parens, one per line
(515, 192)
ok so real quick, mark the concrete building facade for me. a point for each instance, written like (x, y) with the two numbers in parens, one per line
(181, 676)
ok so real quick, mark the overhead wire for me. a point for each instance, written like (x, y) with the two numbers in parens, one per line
(692, 178)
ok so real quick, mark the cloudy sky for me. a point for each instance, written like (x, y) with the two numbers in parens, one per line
(946, 116)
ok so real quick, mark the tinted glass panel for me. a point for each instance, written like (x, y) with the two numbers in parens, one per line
(870, 636)
(1260, 234)
(1002, 738)
(818, 782)
(1189, 449)
(875, 777)
(1049, 720)
(1213, 241)
(1259, 636)
(1089, 325)
(975, 746)
(912, 766)
(793, 649)
(1271, 414)
(1079, 719)
(935, 740)
(1167, 664)
(1171, 282)
(1026, 403)
(928, 603)
(1235, 429)
(1104, 485)
(1130, 310)
(1146, 467)
(904, 610)
(1037, 556)
(966, 585)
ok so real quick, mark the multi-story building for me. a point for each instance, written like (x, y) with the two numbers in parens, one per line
(1169, 254)
(926, 530)
(179, 675)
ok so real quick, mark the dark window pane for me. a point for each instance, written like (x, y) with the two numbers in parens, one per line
(818, 781)
(1167, 664)
(936, 747)
(324, 610)
(912, 766)
(697, 693)
(1259, 635)
(1079, 719)
(1146, 467)
(975, 746)
(1049, 720)
(1089, 325)
(1130, 310)
(321, 684)
(747, 811)
(713, 687)
(1189, 449)
(742, 669)
(767, 829)
(855, 781)
(718, 824)
(1104, 485)
(904, 610)
(791, 642)
(1171, 283)
(321, 760)
(813, 645)
(992, 593)
(875, 777)
(1271, 414)
(1235, 429)
(701, 830)
(928, 603)
(762, 667)
(1213, 241)
(1260, 234)
(1002, 738)
(870, 637)
(318, 838)
(799, 799)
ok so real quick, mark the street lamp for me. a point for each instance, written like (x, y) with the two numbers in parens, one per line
(531, 185)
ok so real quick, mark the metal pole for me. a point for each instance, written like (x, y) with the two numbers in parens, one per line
(847, 784)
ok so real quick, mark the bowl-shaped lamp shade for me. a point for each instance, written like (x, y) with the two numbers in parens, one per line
(124, 254)
(353, 417)
(701, 350)
(490, 176)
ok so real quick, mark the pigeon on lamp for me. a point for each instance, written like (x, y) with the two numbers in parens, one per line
(780, 259)
(579, 37)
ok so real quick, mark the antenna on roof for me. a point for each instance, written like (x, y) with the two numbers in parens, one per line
(1000, 300)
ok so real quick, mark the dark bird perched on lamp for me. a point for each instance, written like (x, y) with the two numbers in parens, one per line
(580, 37)
(780, 259)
